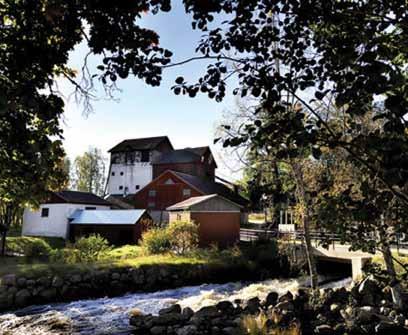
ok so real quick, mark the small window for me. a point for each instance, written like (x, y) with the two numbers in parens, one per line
(113, 173)
(45, 212)
(121, 173)
(145, 156)
(178, 216)
(137, 187)
(187, 192)
(120, 187)
(90, 208)
(152, 193)
(151, 204)
(169, 182)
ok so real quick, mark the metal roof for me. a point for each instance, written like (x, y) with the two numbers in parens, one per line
(187, 204)
(117, 216)
(211, 187)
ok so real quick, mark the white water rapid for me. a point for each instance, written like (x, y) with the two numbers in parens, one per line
(110, 316)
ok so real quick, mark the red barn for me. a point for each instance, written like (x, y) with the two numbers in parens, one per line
(172, 187)
(218, 218)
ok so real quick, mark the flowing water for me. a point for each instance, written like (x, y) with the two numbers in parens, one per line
(110, 316)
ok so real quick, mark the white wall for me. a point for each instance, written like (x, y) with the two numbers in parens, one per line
(56, 224)
(133, 174)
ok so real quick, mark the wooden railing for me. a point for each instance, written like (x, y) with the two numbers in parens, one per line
(248, 235)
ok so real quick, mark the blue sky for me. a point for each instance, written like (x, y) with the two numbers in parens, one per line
(143, 111)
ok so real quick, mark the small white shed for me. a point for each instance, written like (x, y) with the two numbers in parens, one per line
(51, 218)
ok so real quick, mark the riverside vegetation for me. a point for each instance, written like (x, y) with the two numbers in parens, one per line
(166, 258)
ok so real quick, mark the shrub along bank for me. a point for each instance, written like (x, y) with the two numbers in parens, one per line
(66, 282)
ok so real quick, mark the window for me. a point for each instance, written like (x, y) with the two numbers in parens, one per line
(90, 208)
(45, 212)
(145, 156)
(178, 216)
(120, 187)
(113, 173)
(169, 182)
(121, 173)
(187, 192)
(152, 193)
(137, 187)
(151, 204)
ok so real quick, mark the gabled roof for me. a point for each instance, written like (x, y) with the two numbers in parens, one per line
(146, 143)
(186, 155)
(186, 204)
(117, 216)
(207, 186)
(76, 197)
(190, 202)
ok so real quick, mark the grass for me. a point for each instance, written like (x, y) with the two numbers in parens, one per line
(403, 259)
(22, 266)
(126, 256)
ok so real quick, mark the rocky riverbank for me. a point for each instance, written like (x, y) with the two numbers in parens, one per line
(366, 308)
(17, 291)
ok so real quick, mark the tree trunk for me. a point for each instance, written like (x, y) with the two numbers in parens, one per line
(6, 220)
(311, 261)
(3, 243)
(302, 199)
(396, 289)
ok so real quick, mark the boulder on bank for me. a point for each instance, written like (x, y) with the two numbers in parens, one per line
(330, 312)
(50, 323)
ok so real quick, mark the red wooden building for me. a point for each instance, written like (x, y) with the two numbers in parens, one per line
(218, 218)
(172, 187)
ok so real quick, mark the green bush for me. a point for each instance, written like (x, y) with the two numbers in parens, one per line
(28, 246)
(123, 252)
(91, 248)
(65, 256)
(183, 236)
(156, 241)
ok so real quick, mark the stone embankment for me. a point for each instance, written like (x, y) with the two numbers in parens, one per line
(17, 291)
(365, 309)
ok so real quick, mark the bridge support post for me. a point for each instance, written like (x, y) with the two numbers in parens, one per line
(357, 264)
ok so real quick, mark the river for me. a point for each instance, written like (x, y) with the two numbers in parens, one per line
(110, 316)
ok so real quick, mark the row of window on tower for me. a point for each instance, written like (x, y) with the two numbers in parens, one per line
(137, 187)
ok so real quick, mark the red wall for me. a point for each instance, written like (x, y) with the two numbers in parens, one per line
(166, 195)
(221, 228)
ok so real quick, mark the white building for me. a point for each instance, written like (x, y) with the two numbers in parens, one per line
(51, 219)
(131, 164)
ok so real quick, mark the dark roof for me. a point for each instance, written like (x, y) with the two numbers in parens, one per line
(119, 201)
(76, 197)
(186, 155)
(147, 143)
(210, 187)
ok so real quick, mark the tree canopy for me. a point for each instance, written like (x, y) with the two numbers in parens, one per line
(88, 173)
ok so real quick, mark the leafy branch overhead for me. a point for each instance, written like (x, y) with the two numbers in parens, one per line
(301, 55)
(36, 38)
